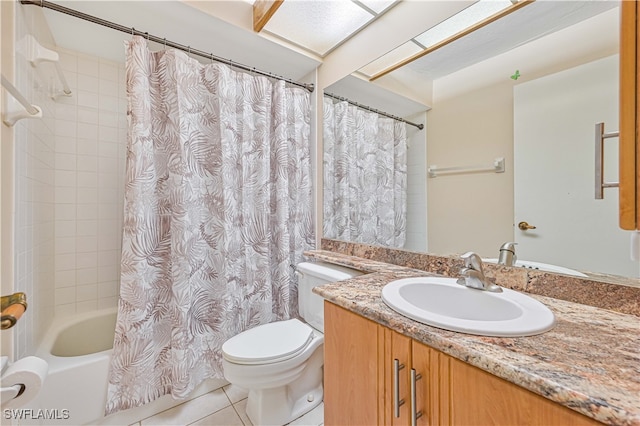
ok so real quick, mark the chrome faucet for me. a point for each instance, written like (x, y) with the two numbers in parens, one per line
(507, 254)
(473, 275)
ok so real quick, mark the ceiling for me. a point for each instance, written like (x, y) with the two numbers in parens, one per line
(178, 22)
(301, 32)
(526, 24)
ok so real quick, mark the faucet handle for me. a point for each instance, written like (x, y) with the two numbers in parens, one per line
(472, 261)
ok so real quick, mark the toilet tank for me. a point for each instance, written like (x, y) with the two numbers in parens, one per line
(311, 274)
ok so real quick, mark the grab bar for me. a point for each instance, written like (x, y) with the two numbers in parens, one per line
(30, 111)
(600, 183)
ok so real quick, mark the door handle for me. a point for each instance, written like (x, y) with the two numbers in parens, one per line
(397, 402)
(525, 226)
(600, 183)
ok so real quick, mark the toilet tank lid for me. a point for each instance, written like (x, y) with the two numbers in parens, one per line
(327, 271)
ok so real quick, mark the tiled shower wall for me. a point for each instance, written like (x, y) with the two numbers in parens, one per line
(34, 234)
(69, 181)
(90, 146)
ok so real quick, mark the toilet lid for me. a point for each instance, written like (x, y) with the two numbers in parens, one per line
(268, 343)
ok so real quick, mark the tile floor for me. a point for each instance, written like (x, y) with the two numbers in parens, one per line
(221, 407)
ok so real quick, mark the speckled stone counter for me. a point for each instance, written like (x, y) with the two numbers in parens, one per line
(590, 362)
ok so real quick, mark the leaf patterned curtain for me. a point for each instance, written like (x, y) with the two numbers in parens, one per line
(365, 176)
(218, 206)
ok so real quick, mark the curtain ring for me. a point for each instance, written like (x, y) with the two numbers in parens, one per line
(212, 57)
(165, 43)
(147, 36)
(189, 51)
(132, 30)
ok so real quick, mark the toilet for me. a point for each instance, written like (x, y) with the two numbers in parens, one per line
(281, 363)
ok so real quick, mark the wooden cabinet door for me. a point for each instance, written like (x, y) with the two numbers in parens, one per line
(396, 362)
(479, 398)
(433, 383)
(351, 374)
(629, 116)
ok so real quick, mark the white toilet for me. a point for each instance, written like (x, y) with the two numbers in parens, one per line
(281, 363)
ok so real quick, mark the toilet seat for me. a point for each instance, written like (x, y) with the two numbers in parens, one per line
(268, 343)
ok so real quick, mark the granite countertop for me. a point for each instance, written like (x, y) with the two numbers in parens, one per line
(590, 361)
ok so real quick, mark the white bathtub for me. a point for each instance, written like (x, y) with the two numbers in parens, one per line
(78, 350)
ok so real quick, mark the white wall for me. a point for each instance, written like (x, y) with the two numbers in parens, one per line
(416, 185)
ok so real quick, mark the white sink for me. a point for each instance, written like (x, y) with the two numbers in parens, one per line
(442, 303)
(543, 267)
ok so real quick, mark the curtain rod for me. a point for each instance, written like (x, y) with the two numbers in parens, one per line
(420, 126)
(163, 41)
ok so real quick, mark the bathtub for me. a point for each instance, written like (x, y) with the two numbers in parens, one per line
(78, 350)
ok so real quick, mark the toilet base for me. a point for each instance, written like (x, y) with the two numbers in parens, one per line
(275, 407)
(281, 404)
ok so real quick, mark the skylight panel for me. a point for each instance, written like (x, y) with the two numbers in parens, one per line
(317, 25)
(396, 55)
(468, 17)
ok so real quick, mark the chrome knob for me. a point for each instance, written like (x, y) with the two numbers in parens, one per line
(525, 226)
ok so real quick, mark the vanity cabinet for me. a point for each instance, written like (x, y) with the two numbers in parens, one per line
(363, 360)
(629, 116)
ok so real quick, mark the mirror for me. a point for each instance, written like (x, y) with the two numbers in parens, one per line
(478, 107)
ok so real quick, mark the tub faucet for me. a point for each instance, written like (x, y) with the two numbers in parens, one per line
(473, 275)
(507, 254)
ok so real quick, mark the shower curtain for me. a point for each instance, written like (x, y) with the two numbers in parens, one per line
(218, 207)
(365, 176)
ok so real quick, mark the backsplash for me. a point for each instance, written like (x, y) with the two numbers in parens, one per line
(607, 292)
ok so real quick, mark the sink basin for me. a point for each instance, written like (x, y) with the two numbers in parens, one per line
(441, 302)
(543, 267)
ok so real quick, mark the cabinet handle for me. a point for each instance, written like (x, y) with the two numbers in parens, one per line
(397, 402)
(415, 414)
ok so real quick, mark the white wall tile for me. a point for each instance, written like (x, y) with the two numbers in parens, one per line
(65, 178)
(65, 262)
(88, 65)
(65, 195)
(65, 162)
(69, 193)
(87, 228)
(88, 83)
(87, 195)
(108, 71)
(87, 147)
(87, 115)
(65, 295)
(88, 99)
(87, 131)
(65, 211)
(65, 245)
(87, 180)
(65, 128)
(87, 163)
(65, 145)
(86, 276)
(87, 292)
(86, 243)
